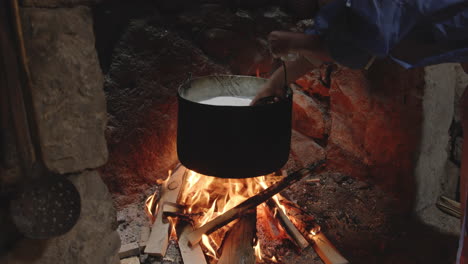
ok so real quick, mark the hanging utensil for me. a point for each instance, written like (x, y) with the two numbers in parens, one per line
(46, 204)
(46, 207)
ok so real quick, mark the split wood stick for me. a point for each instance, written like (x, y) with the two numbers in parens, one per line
(312, 180)
(159, 238)
(132, 260)
(252, 202)
(190, 255)
(327, 252)
(144, 236)
(291, 229)
(453, 204)
(238, 244)
(129, 250)
(449, 206)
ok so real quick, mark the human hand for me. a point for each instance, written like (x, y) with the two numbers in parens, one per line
(272, 91)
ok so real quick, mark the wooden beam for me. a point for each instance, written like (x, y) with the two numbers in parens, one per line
(252, 202)
(13, 83)
(159, 238)
(238, 245)
(327, 252)
(190, 255)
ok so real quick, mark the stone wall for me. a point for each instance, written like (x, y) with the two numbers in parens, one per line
(438, 167)
(438, 111)
(372, 124)
(69, 103)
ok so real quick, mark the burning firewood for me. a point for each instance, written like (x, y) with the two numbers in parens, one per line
(190, 255)
(273, 240)
(252, 202)
(159, 238)
(238, 244)
(291, 229)
(327, 252)
(324, 248)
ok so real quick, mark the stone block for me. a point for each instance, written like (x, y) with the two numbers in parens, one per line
(304, 150)
(376, 126)
(438, 110)
(67, 87)
(349, 111)
(308, 116)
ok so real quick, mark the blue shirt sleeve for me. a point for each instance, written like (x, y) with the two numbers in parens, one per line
(355, 30)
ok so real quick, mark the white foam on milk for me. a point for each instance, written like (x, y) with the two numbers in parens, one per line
(228, 100)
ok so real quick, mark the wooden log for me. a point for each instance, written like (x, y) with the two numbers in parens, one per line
(252, 202)
(449, 206)
(238, 245)
(288, 225)
(290, 228)
(144, 236)
(159, 238)
(327, 252)
(190, 255)
(313, 180)
(129, 250)
(132, 260)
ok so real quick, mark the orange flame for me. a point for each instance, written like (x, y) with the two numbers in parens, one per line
(150, 206)
(149, 203)
(314, 231)
(173, 223)
(258, 252)
(207, 243)
(275, 197)
(211, 197)
(258, 72)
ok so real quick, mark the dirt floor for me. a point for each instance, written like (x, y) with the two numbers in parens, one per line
(363, 222)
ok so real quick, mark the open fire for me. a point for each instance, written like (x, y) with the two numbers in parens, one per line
(191, 201)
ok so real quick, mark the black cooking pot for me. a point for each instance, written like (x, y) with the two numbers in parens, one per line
(231, 141)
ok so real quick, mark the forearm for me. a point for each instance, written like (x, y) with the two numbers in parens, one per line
(294, 69)
(311, 46)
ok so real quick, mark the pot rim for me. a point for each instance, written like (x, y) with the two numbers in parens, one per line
(186, 84)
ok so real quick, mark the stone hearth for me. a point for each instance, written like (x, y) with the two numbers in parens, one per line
(104, 80)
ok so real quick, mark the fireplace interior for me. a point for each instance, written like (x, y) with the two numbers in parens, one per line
(89, 97)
